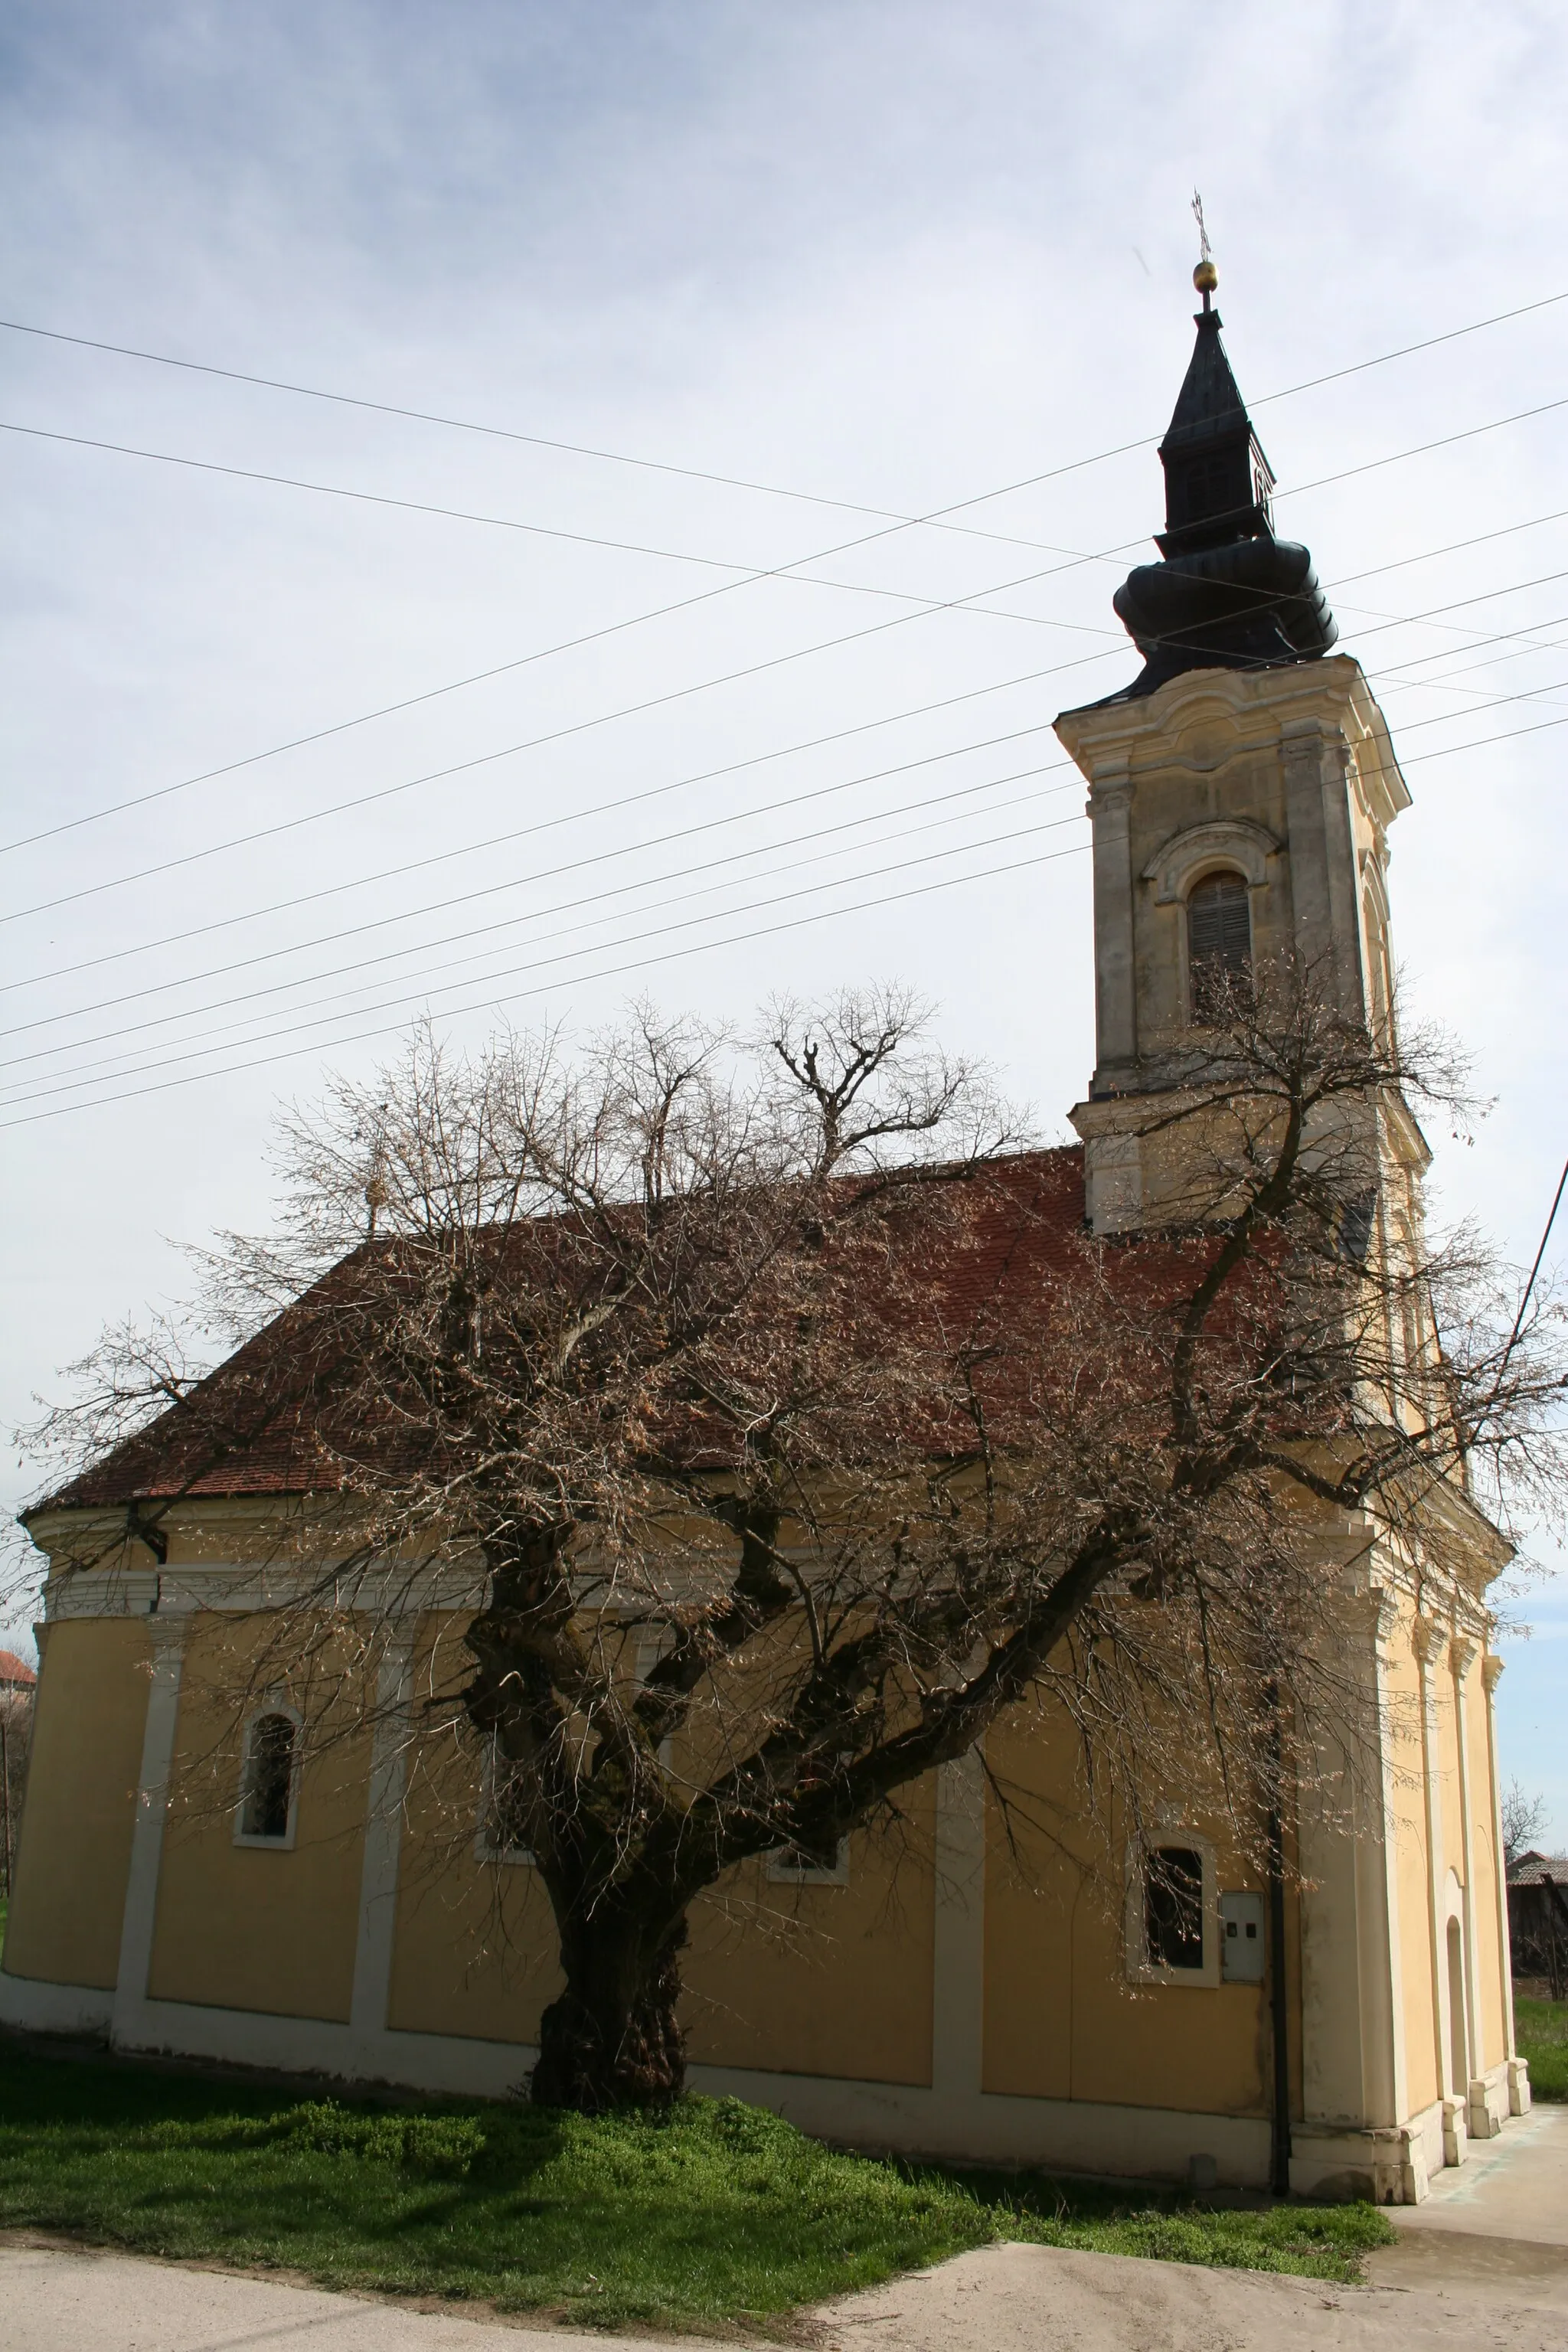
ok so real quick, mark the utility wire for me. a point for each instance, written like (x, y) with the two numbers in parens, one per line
(604, 719)
(83, 1012)
(747, 573)
(495, 889)
(77, 1082)
(773, 898)
(340, 1004)
(761, 850)
(698, 474)
(545, 824)
(419, 980)
(594, 636)
(939, 517)
(598, 858)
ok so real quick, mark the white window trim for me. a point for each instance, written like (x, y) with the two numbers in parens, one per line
(261, 1714)
(784, 1870)
(1140, 1970)
(522, 1857)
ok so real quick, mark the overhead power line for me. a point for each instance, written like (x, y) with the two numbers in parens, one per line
(78, 1045)
(792, 571)
(604, 718)
(706, 825)
(512, 923)
(418, 981)
(382, 923)
(595, 859)
(1013, 866)
(543, 824)
(937, 518)
(896, 832)
(643, 962)
(701, 474)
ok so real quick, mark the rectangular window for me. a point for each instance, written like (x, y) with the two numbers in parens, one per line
(827, 1865)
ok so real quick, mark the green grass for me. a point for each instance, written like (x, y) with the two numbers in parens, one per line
(716, 2214)
(1541, 2027)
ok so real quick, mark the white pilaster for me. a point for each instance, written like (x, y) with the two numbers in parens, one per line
(1115, 981)
(1389, 1977)
(958, 1986)
(147, 1837)
(382, 1839)
(1430, 1640)
(1480, 2122)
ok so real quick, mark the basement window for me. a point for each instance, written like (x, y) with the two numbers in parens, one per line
(270, 1781)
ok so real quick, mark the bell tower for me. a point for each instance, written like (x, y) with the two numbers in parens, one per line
(1241, 788)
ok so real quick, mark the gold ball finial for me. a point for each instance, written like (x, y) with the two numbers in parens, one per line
(1205, 276)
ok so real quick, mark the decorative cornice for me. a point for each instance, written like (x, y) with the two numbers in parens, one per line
(1462, 1655)
(1491, 1672)
(1249, 845)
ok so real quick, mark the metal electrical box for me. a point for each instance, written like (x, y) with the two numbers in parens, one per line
(1241, 1938)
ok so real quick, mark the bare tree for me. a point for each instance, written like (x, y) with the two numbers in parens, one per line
(1524, 1819)
(789, 1369)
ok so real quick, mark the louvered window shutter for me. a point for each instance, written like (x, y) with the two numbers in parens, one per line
(1220, 936)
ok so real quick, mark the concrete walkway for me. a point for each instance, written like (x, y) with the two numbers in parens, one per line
(52, 2300)
(1484, 2261)
(1495, 2226)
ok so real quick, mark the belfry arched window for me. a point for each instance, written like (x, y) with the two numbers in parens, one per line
(1219, 941)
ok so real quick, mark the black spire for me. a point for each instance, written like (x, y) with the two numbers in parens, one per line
(1218, 479)
(1228, 595)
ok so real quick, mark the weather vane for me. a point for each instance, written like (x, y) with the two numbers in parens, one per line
(1205, 276)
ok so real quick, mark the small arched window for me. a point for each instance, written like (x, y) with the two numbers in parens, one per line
(267, 1809)
(1219, 941)
(1174, 1907)
(503, 1809)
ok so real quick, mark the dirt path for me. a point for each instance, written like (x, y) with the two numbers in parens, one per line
(1044, 2299)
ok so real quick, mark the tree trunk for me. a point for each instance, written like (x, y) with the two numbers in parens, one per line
(611, 2038)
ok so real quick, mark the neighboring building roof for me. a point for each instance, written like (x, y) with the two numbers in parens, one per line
(1022, 1241)
(16, 1673)
(1534, 1869)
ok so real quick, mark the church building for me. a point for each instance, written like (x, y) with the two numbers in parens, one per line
(965, 2002)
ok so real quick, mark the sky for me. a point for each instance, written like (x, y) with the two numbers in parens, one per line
(871, 262)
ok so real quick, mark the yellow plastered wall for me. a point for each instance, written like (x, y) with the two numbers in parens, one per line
(474, 1947)
(822, 1980)
(74, 1856)
(1062, 2018)
(246, 1927)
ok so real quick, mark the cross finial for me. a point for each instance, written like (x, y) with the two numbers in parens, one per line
(1205, 276)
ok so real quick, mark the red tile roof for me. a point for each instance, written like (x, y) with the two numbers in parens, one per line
(1020, 1241)
(14, 1672)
